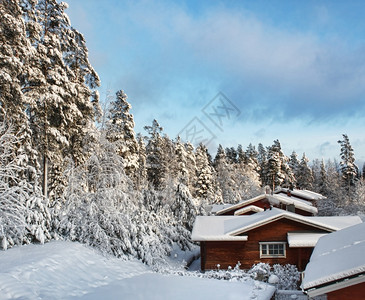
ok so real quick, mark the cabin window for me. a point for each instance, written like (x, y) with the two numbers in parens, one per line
(272, 249)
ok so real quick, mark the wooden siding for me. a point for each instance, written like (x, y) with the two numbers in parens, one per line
(248, 252)
(354, 292)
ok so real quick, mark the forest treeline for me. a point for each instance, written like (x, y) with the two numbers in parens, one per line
(70, 170)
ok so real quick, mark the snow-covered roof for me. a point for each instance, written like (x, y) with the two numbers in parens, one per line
(248, 209)
(337, 256)
(304, 239)
(306, 194)
(215, 228)
(298, 203)
(217, 207)
(209, 228)
(273, 199)
(241, 204)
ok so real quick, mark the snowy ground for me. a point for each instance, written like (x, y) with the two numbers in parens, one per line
(65, 270)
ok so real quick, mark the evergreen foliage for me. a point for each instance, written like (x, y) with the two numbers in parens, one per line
(349, 170)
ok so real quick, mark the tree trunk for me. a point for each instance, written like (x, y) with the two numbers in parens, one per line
(45, 176)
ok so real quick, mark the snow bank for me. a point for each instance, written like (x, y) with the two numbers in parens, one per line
(66, 270)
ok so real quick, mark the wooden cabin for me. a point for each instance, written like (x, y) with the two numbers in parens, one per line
(337, 265)
(272, 236)
(265, 202)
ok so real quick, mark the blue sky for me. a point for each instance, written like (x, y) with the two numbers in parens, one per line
(287, 70)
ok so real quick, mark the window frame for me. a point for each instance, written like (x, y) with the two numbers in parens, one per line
(267, 244)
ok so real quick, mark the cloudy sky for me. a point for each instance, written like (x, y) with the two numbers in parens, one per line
(235, 72)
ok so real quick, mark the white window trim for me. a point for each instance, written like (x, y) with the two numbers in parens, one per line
(270, 255)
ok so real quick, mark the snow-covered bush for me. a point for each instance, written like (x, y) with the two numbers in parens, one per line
(24, 215)
(288, 275)
(260, 271)
(285, 277)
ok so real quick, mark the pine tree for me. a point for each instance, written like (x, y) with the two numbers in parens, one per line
(206, 188)
(231, 155)
(277, 171)
(246, 173)
(305, 177)
(16, 53)
(120, 130)
(323, 180)
(156, 164)
(251, 158)
(294, 164)
(225, 177)
(241, 155)
(348, 167)
(181, 171)
(141, 172)
(262, 160)
(191, 166)
(62, 102)
(183, 207)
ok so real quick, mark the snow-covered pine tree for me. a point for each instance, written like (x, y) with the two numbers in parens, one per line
(141, 172)
(331, 189)
(241, 155)
(86, 98)
(206, 188)
(156, 164)
(231, 155)
(323, 186)
(181, 173)
(246, 174)
(120, 130)
(64, 102)
(14, 48)
(15, 56)
(294, 164)
(225, 177)
(262, 160)
(304, 177)
(251, 160)
(191, 166)
(349, 170)
(183, 207)
(277, 171)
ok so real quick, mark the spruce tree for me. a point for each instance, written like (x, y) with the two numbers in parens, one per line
(141, 172)
(156, 164)
(120, 130)
(206, 187)
(181, 171)
(305, 177)
(276, 170)
(262, 161)
(191, 166)
(348, 167)
(323, 180)
(225, 177)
